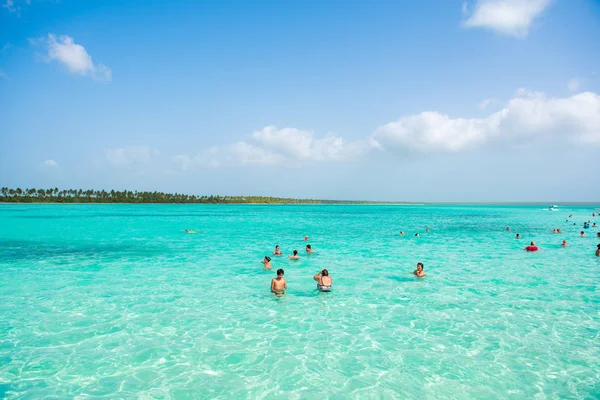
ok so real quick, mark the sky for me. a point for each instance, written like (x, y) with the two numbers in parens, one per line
(433, 101)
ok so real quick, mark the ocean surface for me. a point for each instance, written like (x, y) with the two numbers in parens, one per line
(118, 302)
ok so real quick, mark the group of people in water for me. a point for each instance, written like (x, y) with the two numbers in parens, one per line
(323, 279)
(586, 225)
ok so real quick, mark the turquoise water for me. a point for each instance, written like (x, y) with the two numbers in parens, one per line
(116, 301)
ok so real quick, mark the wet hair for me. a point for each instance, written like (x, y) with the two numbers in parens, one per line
(532, 244)
(279, 272)
(326, 273)
(277, 246)
(308, 246)
(598, 245)
(295, 252)
(421, 264)
(582, 232)
(267, 258)
(416, 234)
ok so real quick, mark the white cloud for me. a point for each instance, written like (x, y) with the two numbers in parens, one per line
(574, 84)
(272, 146)
(487, 103)
(130, 156)
(49, 164)
(573, 119)
(509, 17)
(183, 161)
(10, 6)
(73, 56)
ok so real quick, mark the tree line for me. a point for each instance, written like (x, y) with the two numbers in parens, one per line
(54, 195)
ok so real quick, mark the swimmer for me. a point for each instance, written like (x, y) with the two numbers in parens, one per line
(277, 251)
(267, 262)
(518, 236)
(401, 233)
(324, 281)
(508, 228)
(426, 229)
(532, 247)
(554, 230)
(598, 250)
(278, 285)
(295, 256)
(187, 230)
(309, 249)
(558, 230)
(416, 234)
(570, 215)
(306, 238)
(598, 234)
(564, 243)
(593, 214)
(419, 271)
(582, 234)
(594, 225)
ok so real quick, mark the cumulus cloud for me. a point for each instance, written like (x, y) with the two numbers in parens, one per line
(574, 84)
(488, 102)
(508, 17)
(183, 161)
(573, 119)
(272, 146)
(10, 6)
(73, 56)
(130, 156)
(49, 164)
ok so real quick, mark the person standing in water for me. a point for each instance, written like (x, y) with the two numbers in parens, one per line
(564, 243)
(295, 256)
(277, 251)
(309, 249)
(267, 262)
(419, 271)
(598, 250)
(278, 285)
(324, 281)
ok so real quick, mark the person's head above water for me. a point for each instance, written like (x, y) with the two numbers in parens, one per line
(532, 244)
(277, 247)
(420, 265)
(325, 272)
(267, 258)
(416, 234)
(279, 272)
(295, 252)
(508, 228)
(308, 247)
(518, 236)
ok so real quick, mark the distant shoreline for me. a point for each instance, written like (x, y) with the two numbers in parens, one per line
(325, 203)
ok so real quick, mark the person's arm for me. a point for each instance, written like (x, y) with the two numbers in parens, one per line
(272, 285)
(285, 284)
(317, 277)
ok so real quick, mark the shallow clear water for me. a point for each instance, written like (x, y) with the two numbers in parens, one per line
(117, 301)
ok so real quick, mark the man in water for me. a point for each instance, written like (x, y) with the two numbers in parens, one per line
(416, 234)
(277, 251)
(324, 281)
(419, 271)
(598, 234)
(508, 228)
(401, 233)
(598, 250)
(309, 249)
(306, 238)
(426, 229)
(267, 262)
(295, 256)
(518, 236)
(564, 243)
(558, 230)
(532, 247)
(582, 234)
(278, 285)
(554, 230)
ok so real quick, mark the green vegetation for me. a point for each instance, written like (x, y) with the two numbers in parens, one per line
(54, 195)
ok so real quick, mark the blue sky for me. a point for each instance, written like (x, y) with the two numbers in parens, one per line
(483, 100)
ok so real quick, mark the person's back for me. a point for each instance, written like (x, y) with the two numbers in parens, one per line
(295, 256)
(324, 280)
(278, 285)
(267, 262)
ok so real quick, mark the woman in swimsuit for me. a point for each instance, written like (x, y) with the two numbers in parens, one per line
(324, 281)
